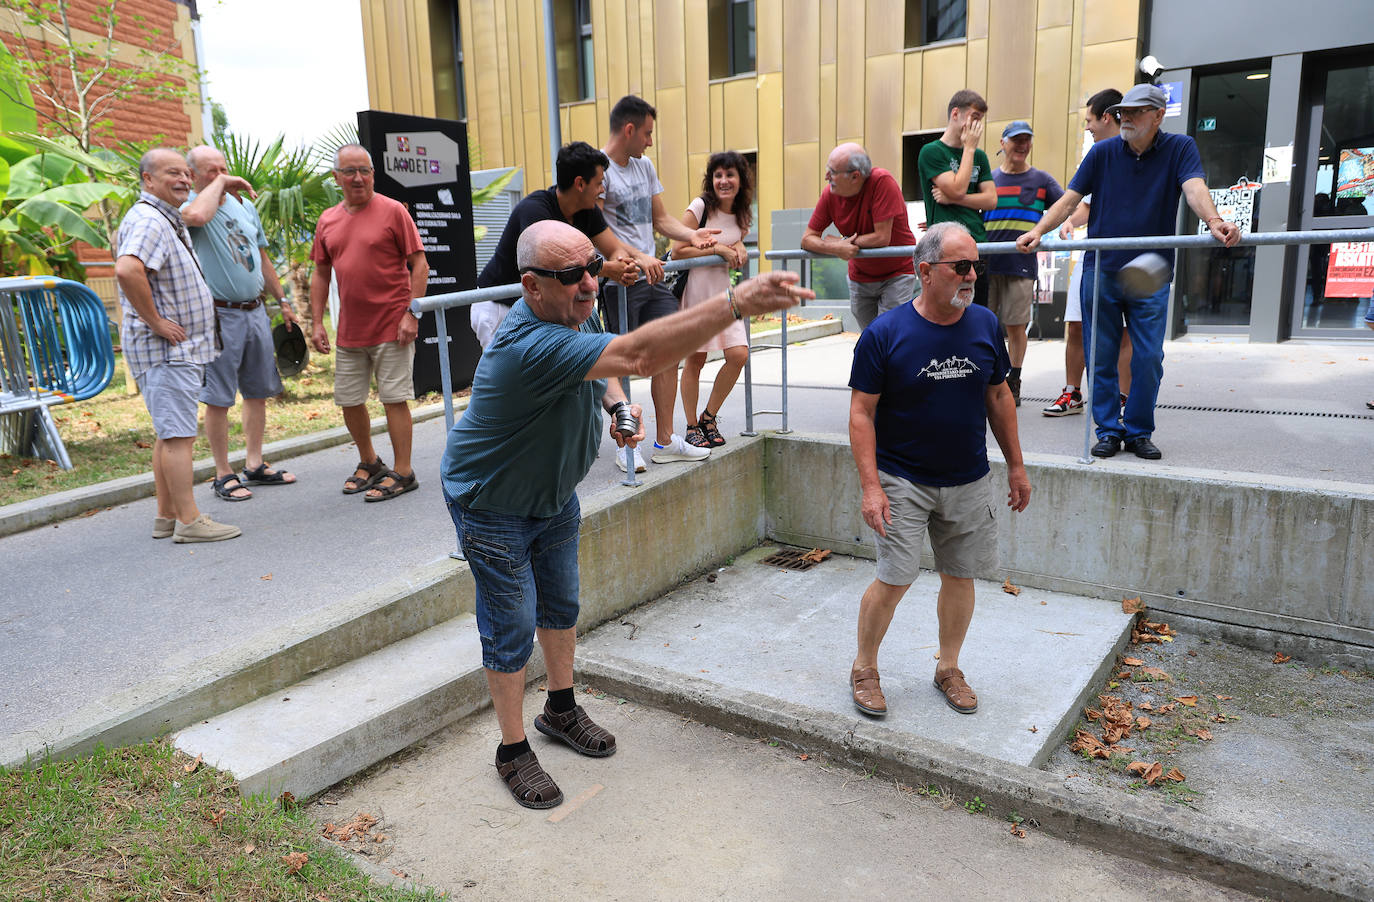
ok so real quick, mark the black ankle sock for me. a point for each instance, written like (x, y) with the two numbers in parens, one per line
(507, 753)
(561, 701)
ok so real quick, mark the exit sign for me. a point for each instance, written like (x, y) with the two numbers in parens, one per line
(1207, 125)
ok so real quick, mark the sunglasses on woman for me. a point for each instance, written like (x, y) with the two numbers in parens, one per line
(961, 267)
(573, 274)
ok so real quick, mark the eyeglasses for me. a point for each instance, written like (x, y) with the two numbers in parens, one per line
(961, 267)
(354, 170)
(573, 274)
(830, 173)
(1131, 112)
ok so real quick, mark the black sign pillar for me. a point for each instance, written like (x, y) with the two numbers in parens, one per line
(423, 163)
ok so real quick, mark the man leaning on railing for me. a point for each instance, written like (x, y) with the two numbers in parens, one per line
(1123, 176)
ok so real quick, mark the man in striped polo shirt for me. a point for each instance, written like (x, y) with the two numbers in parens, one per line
(1023, 195)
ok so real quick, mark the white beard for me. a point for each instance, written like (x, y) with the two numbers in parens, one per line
(962, 298)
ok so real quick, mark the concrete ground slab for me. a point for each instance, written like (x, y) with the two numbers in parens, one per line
(684, 811)
(789, 637)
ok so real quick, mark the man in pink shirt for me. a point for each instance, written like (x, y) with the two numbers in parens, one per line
(866, 206)
(373, 245)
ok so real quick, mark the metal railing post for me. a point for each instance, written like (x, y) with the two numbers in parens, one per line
(623, 304)
(445, 376)
(748, 379)
(784, 430)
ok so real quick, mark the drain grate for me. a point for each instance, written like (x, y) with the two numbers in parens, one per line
(1270, 413)
(795, 558)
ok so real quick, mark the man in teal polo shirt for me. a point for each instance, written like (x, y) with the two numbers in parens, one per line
(232, 249)
(512, 464)
(1135, 184)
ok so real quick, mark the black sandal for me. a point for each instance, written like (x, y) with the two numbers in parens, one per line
(224, 490)
(708, 427)
(695, 438)
(528, 782)
(259, 476)
(399, 486)
(375, 471)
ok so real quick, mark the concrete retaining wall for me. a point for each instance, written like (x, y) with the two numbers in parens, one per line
(1283, 555)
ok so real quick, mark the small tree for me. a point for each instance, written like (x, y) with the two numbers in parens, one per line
(77, 73)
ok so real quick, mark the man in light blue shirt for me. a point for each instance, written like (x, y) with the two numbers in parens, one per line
(232, 248)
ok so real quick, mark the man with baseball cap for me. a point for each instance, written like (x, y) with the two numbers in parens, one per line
(1135, 184)
(1023, 194)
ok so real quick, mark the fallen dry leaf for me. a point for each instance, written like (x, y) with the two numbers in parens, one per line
(1132, 605)
(191, 768)
(1154, 673)
(356, 828)
(402, 874)
(1189, 700)
(1150, 772)
(1167, 709)
(217, 818)
(1224, 698)
(267, 577)
(1009, 588)
(287, 799)
(803, 757)
(1018, 831)
(249, 849)
(295, 861)
(1217, 718)
(1123, 674)
(1281, 658)
(1145, 706)
(1132, 662)
(1033, 728)
(1142, 722)
(1200, 732)
(1175, 775)
(816, 555)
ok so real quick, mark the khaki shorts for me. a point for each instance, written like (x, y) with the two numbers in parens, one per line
(958, 518)
(1010, 298)
(393, 364)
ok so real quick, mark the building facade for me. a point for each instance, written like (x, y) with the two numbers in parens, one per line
(784, 82)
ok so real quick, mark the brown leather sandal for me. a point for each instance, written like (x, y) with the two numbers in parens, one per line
(355, 483)
(958, 694)
(577, 730)
(528, 782)
(868, 695)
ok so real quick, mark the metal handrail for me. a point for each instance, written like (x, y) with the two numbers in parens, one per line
(1097, 246)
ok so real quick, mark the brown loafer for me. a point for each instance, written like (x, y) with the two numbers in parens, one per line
(958, 694)
(868, 695)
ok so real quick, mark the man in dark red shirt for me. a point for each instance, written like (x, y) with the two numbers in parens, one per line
(373, 245)
(866, 206)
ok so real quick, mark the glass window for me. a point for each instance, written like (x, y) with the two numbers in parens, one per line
(1214, 285)
(1337, 280)
(731, 47)
(928, 21)
(572, 27)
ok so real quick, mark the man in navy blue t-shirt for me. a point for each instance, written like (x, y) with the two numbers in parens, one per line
(928, 379)
(1135, 184)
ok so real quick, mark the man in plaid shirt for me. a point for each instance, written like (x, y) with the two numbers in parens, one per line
(168, 336)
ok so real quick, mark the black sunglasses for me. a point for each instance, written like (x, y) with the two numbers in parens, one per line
(573, 274)
(961, 267)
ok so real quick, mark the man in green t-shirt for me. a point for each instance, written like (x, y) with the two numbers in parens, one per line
(956, 177)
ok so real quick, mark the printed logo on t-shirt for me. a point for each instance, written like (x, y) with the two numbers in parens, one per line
(953, 368)
(240, 247)
(974, 176)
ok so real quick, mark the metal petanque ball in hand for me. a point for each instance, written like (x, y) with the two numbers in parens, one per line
(1145, 275)
(625, 423)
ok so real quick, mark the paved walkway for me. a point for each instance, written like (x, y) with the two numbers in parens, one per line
(93, 605)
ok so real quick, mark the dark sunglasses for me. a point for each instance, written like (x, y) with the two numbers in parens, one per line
(573, 274)
(961, 267)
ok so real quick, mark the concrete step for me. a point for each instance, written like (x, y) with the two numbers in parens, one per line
(761, 638)
(309, 736)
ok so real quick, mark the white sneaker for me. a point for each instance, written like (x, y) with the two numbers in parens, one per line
(620, 460)
(677, 449)
(203, 529)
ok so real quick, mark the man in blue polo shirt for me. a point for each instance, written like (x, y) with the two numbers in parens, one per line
(1135, 184)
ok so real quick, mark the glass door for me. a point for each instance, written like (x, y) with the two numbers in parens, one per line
(1213, 285)
(1335, 281)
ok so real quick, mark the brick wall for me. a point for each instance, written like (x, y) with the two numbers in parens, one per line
(133, 118)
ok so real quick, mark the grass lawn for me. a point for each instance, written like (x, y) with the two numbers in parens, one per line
(111, 435)
(146, 823)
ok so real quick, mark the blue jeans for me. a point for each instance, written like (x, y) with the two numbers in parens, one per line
(1144, 319)
(525, 569)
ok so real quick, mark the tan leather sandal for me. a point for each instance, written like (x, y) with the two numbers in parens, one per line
(868, 695)
(958, 694)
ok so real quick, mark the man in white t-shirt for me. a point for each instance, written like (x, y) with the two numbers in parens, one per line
(1101, 125)
(633, 205)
